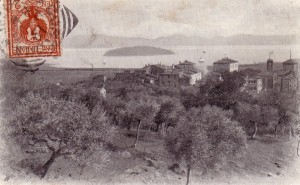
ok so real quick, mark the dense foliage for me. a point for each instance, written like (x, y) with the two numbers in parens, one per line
(201, 125)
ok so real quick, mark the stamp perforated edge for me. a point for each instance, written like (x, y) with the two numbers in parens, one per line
(7, 34)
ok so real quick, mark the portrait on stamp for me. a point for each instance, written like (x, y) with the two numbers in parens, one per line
(33, 28)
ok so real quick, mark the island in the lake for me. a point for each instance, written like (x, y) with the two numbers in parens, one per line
(138, 51)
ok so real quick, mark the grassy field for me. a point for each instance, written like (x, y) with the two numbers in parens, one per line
(267, 161)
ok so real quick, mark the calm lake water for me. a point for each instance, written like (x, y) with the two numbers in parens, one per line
(85, 58)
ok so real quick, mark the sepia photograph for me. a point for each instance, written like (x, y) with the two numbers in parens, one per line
(149, 92)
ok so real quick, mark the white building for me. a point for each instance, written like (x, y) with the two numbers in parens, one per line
(225, 65)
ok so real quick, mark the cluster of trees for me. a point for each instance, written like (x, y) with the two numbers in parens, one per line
(59, 121)
(267, 113)
(202, 126)
(210, 123)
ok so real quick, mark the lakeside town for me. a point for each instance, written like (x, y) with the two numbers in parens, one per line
(283, 79)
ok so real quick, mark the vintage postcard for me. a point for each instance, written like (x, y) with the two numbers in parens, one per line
(113, 92)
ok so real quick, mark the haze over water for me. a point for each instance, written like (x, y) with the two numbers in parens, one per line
(245, 54)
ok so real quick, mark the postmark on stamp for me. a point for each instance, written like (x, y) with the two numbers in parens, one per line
(33, 28)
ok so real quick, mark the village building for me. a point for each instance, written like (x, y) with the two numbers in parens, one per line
(178, 79)
(156, 69)
(254, 85)
(193, 77)
(225, 65)
(185, 66)
(188, 70)
(285, 80)
(168, 79)
(291, 65)
(182, 74)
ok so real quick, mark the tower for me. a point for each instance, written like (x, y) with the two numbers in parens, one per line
(270, 65)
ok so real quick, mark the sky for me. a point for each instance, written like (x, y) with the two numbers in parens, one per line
(206, 18)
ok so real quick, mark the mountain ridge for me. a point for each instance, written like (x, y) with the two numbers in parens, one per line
(106, 41)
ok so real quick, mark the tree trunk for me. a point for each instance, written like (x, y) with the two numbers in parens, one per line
(276, 131)
(81, 169)
(128, 126)
(137, 134)
(188, 174)
(163, 129)
(290, 132)
(255, 130)
(46, 166)
(157, 127)
(115, 120)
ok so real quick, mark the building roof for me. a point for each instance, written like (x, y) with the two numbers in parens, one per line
(291, 61)
(267, 74)
(169, 73)
(289, 75)
(157, 65)
(186, 63)
(140, 69)
(281, 72)
(225, 61)
(161, 66)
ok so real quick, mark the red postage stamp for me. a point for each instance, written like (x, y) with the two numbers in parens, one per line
(33, 28)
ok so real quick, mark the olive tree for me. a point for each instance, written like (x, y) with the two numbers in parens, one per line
(59, 127)
(255, 117)
(205, 138)
(169, 113)
(115, 108)
(141, 109)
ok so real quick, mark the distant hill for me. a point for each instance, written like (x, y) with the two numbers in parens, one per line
(138, 51)
(105, 41)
